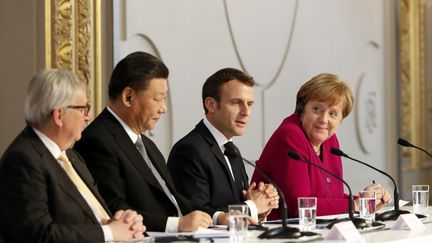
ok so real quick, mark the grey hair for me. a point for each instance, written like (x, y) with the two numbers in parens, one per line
(48, 90)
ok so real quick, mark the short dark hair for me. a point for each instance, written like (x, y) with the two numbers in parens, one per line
(212, 85)
(135, 71)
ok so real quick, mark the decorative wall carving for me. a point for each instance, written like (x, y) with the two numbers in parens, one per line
(415, 104)
(72, 37)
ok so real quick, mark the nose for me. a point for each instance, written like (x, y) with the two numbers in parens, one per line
(87, 117)
(245, 110)
(324, 117)
(163, 108)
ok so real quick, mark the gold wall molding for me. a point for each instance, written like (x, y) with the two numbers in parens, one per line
(73, 42)
(415, 109)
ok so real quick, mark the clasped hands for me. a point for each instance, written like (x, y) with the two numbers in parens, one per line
(126, 225)
(265, 197)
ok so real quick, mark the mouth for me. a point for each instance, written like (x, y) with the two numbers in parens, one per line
(241, 123)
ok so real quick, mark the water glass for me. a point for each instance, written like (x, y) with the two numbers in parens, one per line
(367, 206)
(420, 198)
(238, 215)
(307, 213)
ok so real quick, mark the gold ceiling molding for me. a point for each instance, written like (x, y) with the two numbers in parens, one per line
(73, 42)
(414, 104)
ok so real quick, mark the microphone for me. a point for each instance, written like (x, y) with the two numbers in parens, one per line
(358, 222)
(405, 143)
(391, 214)
(283, 232)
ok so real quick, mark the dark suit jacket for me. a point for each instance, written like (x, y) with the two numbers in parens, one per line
(38, 201)
(124, 179)
(200, 171)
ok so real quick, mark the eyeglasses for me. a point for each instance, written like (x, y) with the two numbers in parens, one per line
(85, 108)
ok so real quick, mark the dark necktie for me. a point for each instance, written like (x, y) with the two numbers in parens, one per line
(234, 157)
(141, 148)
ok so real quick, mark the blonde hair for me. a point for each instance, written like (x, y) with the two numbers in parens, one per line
(327, 88)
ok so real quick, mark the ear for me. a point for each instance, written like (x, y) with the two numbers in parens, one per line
(127, 96)
(211, 104)
(57, 116)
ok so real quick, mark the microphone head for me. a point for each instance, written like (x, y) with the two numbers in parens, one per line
(337, 152)
(294, 155)
(404, 142)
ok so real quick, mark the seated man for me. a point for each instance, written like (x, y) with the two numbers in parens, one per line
(129, 168)
(206, 166)
(47, 192)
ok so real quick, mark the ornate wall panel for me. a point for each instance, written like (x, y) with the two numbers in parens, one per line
(73, 42)
(415, 85)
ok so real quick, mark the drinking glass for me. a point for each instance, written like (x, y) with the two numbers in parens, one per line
(367, 206)
(307, 213)
(420, 198)
(238, 215)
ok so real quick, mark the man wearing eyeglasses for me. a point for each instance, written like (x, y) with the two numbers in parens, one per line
(47, 192)
(130, 170)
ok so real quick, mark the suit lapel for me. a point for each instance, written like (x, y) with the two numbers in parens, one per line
(128, 147)
(57, 171)
(214, 147)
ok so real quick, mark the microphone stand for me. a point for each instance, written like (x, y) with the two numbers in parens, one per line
(283, 232)
(405, 143)
(388, 215)
(358, 222)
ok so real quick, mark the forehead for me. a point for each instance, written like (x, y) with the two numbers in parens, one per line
(157, 85)
(235, 88)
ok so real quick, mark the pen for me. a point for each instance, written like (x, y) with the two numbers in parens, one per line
(382, 199)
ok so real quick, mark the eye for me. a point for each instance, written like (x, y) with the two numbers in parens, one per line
(317, 109)
(333, 114)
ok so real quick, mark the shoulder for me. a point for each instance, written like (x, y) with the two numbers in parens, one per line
(289, 130)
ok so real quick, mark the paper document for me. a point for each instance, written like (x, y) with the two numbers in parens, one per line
(200, 233)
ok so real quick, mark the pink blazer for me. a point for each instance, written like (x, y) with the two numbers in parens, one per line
(298, 179)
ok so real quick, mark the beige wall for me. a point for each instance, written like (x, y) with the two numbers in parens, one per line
(21, 48)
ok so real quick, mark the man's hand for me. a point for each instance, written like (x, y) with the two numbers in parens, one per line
(193, 220)
(126, 225)
(264, 196)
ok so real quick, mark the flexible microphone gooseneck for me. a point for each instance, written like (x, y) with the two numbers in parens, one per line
(283, 232)
(358, 222)
(388, 215)
(405, 143)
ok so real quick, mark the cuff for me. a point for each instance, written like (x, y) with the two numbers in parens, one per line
(253, 209)
(107, 232)
(172, 225)
(215, 217)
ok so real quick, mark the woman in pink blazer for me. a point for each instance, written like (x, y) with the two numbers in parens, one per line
(321, 104)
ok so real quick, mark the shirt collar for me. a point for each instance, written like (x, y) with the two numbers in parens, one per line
(52, 147)
(219, 137)
(132, 135)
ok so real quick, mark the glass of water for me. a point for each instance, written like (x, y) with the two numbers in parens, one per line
(420, 198)
(307, 213)
(238, 226)
(367, 206)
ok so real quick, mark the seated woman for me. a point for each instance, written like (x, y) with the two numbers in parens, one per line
(321, 104)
